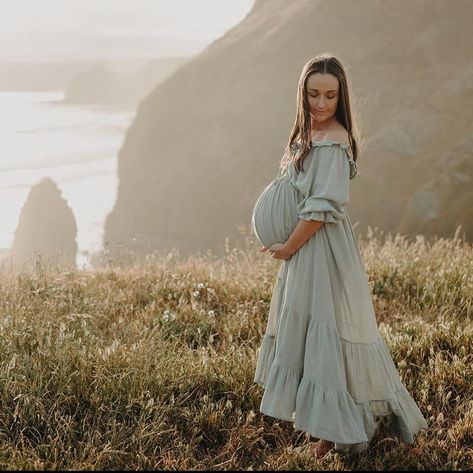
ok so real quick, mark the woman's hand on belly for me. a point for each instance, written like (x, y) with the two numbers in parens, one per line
(278, 251)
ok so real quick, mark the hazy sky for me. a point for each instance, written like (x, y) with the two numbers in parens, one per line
(59, 30)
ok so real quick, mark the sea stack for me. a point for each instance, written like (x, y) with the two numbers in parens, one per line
(46, 229)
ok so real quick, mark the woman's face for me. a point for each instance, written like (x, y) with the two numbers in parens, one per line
(322, 94)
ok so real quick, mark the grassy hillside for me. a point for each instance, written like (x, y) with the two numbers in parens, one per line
(151, 366)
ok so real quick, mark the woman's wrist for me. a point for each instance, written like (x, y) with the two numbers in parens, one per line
(303, 231)
(288, 248)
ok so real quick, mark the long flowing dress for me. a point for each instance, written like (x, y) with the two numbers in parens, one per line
(322, 361)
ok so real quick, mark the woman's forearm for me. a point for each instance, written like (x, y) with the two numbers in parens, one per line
(303, 231)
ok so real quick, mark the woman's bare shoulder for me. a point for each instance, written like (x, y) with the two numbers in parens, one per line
(338, 133)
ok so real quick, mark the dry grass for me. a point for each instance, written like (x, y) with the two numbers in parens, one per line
(151, 366)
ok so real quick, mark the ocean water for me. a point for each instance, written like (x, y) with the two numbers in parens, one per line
(76, 146)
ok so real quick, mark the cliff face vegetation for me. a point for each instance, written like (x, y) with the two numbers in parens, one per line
(46, 228)
(208, 139)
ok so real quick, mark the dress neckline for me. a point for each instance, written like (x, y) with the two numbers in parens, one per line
(328, 142)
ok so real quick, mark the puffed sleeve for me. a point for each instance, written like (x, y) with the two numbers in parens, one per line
(324, 185)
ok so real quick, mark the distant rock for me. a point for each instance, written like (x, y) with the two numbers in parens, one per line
(101, 85)
(57, 76)
(40, 76)
(208, 139)
(46, 229)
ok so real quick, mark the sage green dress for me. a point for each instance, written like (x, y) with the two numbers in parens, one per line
(322, 362)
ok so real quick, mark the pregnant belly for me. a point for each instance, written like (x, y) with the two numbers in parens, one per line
(275, 215)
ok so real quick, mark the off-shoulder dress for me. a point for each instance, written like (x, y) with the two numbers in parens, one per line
(323, 362)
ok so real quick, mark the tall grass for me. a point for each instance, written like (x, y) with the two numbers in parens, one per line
(150, 365)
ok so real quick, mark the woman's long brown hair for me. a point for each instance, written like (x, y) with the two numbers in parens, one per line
(299, 143)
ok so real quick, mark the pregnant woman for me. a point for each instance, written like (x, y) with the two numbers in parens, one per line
(322, 362)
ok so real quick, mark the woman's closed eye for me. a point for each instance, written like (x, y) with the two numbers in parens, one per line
(332, 97)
